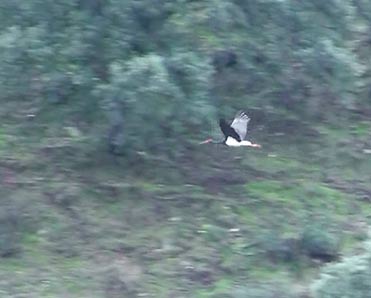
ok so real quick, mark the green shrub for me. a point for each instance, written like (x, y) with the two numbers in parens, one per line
(166, 96)
(319, 244)
(349, 278)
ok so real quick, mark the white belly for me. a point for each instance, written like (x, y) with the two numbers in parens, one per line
(234, 143)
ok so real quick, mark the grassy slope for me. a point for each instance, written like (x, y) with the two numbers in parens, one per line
(90, 228)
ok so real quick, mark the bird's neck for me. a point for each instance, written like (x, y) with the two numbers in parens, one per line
(218, 141)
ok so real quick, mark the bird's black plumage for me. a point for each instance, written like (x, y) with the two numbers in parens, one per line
(234, 133)
(228, 131)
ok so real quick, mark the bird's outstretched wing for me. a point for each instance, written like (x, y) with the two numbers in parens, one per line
(239, 124)
(228, 131)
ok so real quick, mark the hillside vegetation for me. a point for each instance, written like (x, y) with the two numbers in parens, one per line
(105, 190)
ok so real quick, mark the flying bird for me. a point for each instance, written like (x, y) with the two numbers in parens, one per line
(234, 133)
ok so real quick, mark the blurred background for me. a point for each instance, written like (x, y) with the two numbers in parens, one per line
(105, 191)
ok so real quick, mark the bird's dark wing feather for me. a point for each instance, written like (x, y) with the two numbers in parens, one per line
(228, 131)
(239, 124)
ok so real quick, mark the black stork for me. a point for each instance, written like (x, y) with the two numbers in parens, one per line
(234, 133)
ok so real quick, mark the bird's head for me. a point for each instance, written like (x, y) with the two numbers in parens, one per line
(207, 141)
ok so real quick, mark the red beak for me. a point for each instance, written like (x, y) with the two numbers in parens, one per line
(206, 141)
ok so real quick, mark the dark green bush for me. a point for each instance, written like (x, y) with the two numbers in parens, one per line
(319, 244)
(154, 102)
(351, 277)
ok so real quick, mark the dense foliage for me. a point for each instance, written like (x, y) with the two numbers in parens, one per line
(348, 278)
(103, 190)
(195, 59)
